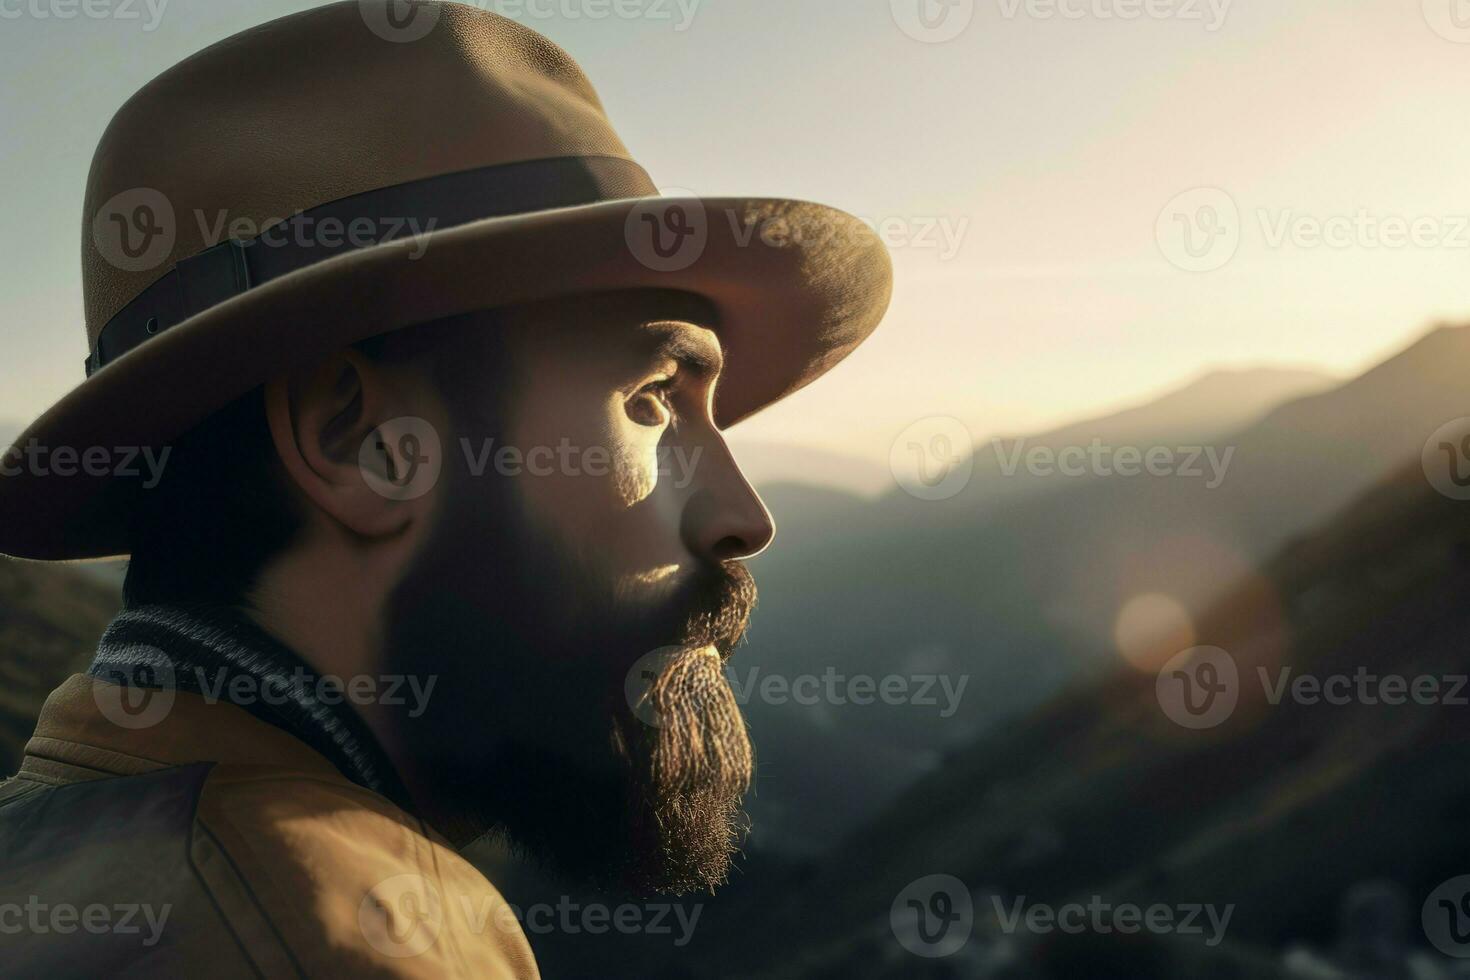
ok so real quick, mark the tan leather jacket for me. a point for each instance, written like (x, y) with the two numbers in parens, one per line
(207, 843)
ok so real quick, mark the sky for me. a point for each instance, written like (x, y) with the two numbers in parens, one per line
(1088, 201)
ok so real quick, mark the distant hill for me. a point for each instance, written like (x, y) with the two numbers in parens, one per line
(51, 617)
(1017, 582)
(1280, 810)
(1209, 406)
(1213, 403)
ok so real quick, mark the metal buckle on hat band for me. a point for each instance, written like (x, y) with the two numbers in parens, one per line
(193, 285)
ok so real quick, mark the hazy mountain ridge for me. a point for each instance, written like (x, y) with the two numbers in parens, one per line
(1209, 405)
(50, 620)
(1019, 591)
(1212, 403)
(1098, 792)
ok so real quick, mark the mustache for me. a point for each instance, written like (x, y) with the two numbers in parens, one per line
(717, 607)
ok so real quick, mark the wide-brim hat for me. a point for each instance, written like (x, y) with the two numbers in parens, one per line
(367, 166)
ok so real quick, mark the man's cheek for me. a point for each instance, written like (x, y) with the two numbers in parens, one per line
(635, 470)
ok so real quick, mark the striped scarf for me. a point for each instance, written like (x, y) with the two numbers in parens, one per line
(220, 653)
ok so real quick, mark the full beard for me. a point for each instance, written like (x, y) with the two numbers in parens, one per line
(530, 733)
(689, 772)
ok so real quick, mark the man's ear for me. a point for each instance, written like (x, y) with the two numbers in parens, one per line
(333, 426)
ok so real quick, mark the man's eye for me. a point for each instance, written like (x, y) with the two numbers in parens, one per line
(652, 405)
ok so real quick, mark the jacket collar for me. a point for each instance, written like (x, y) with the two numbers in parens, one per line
(89, 728)
(221, 654)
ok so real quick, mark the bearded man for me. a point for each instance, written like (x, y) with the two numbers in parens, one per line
(448, 541)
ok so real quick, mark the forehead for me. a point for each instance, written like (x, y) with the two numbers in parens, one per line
(617, 326)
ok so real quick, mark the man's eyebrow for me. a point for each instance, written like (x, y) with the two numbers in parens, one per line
(691, 347)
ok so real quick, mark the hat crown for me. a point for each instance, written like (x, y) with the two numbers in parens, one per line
(335, 101)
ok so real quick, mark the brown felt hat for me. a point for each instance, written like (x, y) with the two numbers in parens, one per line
(367, 166)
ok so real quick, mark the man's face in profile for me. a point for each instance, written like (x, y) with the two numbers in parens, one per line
(578, 596)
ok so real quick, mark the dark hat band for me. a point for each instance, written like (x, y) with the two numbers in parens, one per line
(234, 266)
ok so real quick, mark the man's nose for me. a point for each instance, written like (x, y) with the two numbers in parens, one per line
(724, 519)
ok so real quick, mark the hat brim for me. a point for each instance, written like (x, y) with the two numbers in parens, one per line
(796, 286)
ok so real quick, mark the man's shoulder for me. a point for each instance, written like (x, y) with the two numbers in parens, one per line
(245, 869)
(99, 872)
(350, 881)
